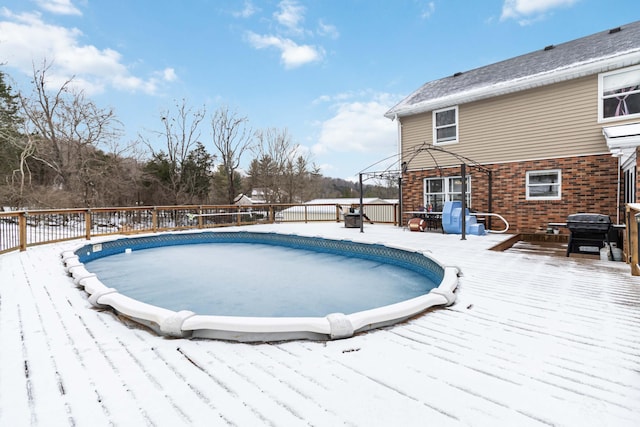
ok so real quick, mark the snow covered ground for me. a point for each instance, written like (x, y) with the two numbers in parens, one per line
(532, 340)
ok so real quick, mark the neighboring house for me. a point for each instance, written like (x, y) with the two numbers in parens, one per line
(243, 200)
(257, 198)
(347, 202)
(378, 210)
(258, 195)
(544, 135)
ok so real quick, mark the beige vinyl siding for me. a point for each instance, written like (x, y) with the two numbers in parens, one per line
(415, 131)
(559, 120)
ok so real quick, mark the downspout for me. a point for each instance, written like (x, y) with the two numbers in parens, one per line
(618, 153)
(619, 156)
(399, 130)
(490, 204)
(399, 147)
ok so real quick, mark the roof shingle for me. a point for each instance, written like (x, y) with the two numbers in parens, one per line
(578, 57)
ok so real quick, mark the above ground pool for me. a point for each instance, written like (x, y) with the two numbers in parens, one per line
(257, 280)
(253, 286)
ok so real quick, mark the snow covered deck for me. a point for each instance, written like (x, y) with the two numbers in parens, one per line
(532, 340)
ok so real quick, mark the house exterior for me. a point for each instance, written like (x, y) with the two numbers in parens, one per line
(378, 210)
(243, 200)
(542, 136)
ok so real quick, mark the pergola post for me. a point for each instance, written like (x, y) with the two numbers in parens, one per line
(463, 173)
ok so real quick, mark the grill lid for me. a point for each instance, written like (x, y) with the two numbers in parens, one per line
(588, 223)
(588, 218)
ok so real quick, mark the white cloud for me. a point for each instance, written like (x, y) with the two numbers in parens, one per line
(249, 10)
(169, 74)
(290, 15)
(428, 10)
(292, 55)
(526, 10)
(25, 40)
(358, 126)
(59, 7)
(356, 133)
(328, 30)
(321, 99)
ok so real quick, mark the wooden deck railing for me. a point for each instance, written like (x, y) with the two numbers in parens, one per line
(632, 238)
(21, 229)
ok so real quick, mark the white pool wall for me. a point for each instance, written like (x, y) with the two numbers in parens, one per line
(186, 324)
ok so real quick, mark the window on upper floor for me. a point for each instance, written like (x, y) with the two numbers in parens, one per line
(544, 185)
(619, 94)
(445, 126)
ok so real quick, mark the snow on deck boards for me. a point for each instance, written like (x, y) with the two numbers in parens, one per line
(532, 340)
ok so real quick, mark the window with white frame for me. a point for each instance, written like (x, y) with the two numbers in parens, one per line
(445, 126)
(544, 185)
(619, 94)
(440, 190)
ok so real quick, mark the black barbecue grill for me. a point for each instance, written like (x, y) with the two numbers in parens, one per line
(589, 232)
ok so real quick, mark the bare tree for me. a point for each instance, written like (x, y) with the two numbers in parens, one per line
(231, 137)
(271, 151)
(282, 169)
(66, 132)
(20, 178)
(179, 136)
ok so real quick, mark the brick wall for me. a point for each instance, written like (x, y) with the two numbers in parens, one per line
(589, 184)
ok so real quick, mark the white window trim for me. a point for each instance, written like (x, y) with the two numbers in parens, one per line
(546, 171)
(601, 77)
(446, 191)
(435, 133)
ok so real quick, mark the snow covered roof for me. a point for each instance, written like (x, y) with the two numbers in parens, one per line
(243, 199)
(347, 201)
(604, 51)
(559, 345)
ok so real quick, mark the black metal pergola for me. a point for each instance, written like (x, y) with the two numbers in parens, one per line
(390, 173)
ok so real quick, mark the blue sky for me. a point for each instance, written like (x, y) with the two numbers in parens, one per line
(326, 70)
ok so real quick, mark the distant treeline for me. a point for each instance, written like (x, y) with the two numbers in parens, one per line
(58, 149)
